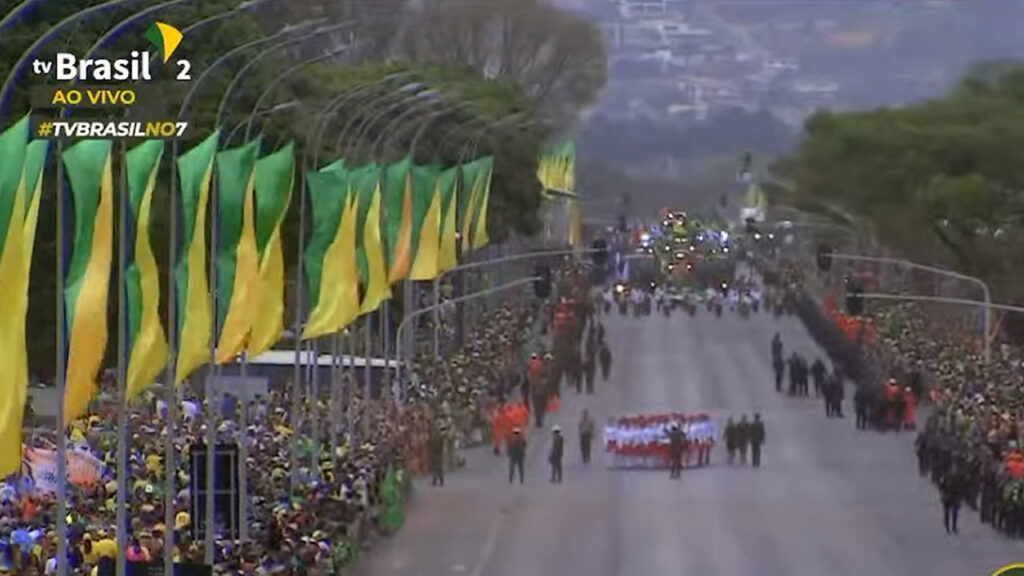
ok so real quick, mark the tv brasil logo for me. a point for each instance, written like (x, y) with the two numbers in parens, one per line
(67, 67)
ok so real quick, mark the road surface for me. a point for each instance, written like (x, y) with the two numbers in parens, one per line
(829, 499)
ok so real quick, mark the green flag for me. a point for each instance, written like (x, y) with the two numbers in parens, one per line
(147, 343)
(90, 175)
(482, 186)
(426, 222)
(275, 174)
(398, 194)
(191, 284)
(237, 257)
(13, 290)
(330, 260)
(448, 184)
(370, 248)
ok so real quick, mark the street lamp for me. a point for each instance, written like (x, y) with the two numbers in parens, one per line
(14, 13)
(426, 95)
(265, 112)
(328, 111)
(271, 49)
(394, 127)
(357, 117)
(278, 79)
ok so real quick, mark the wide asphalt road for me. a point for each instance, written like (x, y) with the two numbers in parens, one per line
(828, 500)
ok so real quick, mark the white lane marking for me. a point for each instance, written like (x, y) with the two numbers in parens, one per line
(459, 568)
(490, 546)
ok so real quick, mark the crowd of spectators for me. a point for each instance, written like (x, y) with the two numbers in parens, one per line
(350, 489)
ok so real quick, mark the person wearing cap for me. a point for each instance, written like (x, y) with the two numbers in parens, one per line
(516, 450)
(555, 456)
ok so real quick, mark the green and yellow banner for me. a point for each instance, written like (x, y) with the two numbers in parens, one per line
(448, 184)
(482, 190)
(373, 271)
(398, 199)
(13, 352)
(86, 289)
(195, 311)
(275, 176)
(556, 167)
(237, 257)
(426, 222)
(330, 260)
(146, 339)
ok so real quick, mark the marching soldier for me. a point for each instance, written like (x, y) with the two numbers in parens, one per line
(586, 430)
(589, 367)
(516, 451)
(730, 440)
(435, 456)
(779, 366)
(743, 438)
(756, 440)
(555, 457)
(818, 373)
(540, 403)
(605, 357)
(677, 443)
(860, 407)
(952, 490)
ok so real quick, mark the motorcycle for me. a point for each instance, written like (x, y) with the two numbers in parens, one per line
(623, 307)
(666, 308)
(718, 310)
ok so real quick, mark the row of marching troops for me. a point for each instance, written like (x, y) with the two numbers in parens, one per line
(989, 480)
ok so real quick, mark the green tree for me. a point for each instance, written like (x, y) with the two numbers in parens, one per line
(939, 180)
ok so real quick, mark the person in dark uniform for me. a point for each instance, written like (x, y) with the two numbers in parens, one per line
(952, 490)
(604, 356)
(776, 347)
(589, 367)
(516, 451)
(586, 431)
(860, 407)
(757, 440)
(730, 440)
(818, 373)
(557, 451)
(435, 456)
(839, 392)
(540, 403)
(794, 374)
(576, 370)
(677, 442)
(779, 366)
(743, 438)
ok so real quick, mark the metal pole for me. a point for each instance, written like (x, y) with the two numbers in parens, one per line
(280, 78)
(986, 294)
(367, 353)
(62, 435)
(313, 410)
(211, 373)
(386, 342)
(122, 382)
(242, 72)
(437, 315)
(243, 455)
(939, 299)
(170, 375)
(334, 404)
(297, 331)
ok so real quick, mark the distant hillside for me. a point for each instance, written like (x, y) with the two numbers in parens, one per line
(729, 133)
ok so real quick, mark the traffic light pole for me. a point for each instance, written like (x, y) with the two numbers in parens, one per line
(436, 307)
(433, 308)
(986, 302)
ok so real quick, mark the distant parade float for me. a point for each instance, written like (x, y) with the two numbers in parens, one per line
(642, 441)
